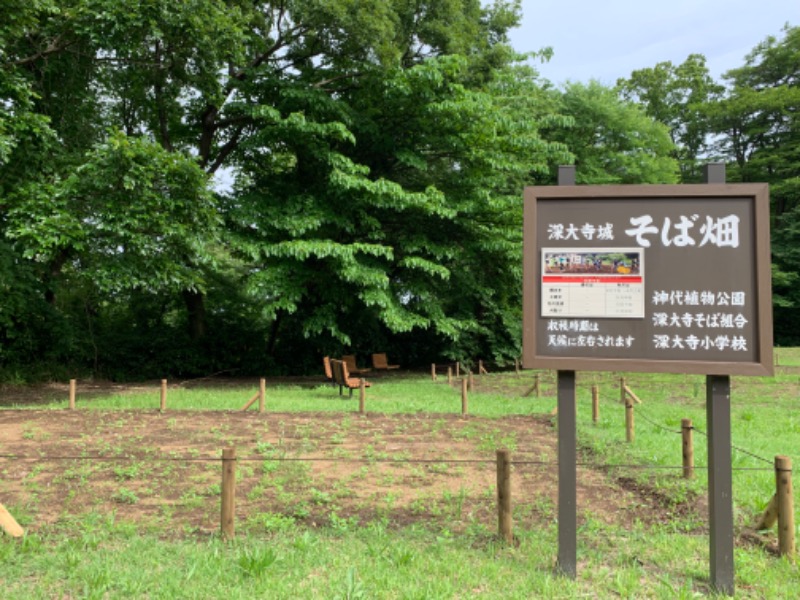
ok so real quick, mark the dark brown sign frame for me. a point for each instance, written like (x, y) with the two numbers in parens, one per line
(672, 211)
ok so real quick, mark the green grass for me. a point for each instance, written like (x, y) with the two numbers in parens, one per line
(108, 560)
(99, 557)
(765, 422)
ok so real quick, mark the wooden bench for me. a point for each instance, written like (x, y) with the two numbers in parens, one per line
(341, 376)
(380, 362)
(350, 361)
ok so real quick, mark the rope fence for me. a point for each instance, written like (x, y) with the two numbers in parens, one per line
(628, 398)
(366, 460)
(780, 509)
(780, 506)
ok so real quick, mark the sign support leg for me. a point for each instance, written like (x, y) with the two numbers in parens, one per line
(567, 475)
(720, 493)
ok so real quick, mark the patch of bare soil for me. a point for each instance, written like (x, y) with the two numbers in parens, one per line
(163, 471)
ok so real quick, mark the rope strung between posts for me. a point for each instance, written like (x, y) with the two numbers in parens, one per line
(541, 463)
(639, 414)
(739, 449)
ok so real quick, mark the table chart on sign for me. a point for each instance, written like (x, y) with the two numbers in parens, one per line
(610, 297)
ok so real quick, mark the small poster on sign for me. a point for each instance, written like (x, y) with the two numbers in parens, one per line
(593, 283)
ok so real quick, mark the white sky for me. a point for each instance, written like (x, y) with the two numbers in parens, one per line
(608, 39)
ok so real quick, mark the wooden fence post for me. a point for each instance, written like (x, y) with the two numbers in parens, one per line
(458, 369)
(767, 520)
(533, 388)
(262, 393)
(252, 401)
(227, 519)
(688, 448)
(785, 502)
(73, 384)
(629, 393)
(163, 395)
(362, 396)
(504, 496)
(629, 432)
(595, 404)
(516, 366)
(433, 371)
(464, 397)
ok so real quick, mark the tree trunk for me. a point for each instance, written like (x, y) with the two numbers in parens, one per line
(196, 309)
(52, 274)
(273, 334)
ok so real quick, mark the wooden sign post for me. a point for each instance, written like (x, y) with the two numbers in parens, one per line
(654, 279)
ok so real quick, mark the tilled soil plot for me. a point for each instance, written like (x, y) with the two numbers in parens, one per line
(163, 471)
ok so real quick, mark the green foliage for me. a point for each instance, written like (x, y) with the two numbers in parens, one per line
(400, 206)
(131, 216)
(759, 127)
(675, 96)
(282, 97)
(751, 124)
(613, 140)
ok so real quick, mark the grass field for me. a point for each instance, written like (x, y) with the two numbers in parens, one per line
(448, 551)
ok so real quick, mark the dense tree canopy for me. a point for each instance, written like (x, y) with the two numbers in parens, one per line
(759, 127)
(309, 175)
(750, 123)
(675, 96)
(195, 186)
(613, 140)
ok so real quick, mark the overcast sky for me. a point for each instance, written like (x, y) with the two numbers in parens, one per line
(608, 39)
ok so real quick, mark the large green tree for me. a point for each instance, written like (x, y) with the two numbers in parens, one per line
(198, 185)
(119, 115)
(758, 128)
(397, 210)
(26, 143)
(613, 140)
(675, 95)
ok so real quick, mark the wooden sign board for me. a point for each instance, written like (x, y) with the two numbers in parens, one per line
(650, 278)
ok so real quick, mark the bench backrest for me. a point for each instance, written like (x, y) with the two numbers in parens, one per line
(380, 361)
(346, 374)
(326, 364)
(350, 361)
(338, 375)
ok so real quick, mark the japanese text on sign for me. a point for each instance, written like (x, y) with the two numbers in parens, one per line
(722, 232)
(689, 318)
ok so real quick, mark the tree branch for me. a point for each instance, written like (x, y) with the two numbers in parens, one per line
(54, 46)
(226, 150)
